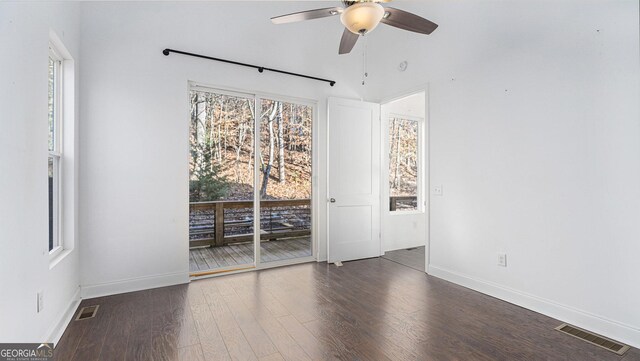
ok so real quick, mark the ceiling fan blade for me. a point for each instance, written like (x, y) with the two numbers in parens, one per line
(408, 21)
(347, 42)
(306, 15)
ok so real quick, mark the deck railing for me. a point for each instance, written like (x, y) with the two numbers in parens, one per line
(220, 223)
(398, 203)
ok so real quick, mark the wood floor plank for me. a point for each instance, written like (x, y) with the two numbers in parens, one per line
(188, 333)
(286, 345)
(260, 299)
(191, 353)
(304, 338)
(234, 338)
(92, 341)
(119, 330)
(274, 357)
(139, 345)
(66, 348)
(211, 340)
(256, 336)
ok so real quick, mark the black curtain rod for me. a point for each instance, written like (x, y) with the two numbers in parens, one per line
(260, 68)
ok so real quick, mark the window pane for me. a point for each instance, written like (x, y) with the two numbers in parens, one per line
(51, 103)
(403, 164)
(221, 181)
(285, 180)
(52, 207)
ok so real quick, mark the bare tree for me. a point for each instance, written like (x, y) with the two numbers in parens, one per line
(266, 173)
(281, 162)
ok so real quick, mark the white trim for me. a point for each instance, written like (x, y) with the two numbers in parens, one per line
(426, 152)
(264, 266)
(412, 91)
(404, 116)
(134, 284)
(62, 254)
(57, 329)
(598, 324)
(257, 184)
(248, 93)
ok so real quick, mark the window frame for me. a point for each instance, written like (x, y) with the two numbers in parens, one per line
(55, 153)
(420, 204)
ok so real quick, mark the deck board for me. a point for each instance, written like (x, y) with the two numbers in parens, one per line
(204, 259)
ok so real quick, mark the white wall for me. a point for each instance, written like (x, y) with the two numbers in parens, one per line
(135, 111)
(403, 229)
(24, 260)
(535, 137)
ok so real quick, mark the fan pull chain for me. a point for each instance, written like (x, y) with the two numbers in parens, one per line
(364, 60)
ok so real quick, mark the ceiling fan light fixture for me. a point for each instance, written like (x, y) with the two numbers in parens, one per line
(361, 18)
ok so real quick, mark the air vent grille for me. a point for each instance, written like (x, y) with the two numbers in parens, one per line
(593, 339)
(87, 312)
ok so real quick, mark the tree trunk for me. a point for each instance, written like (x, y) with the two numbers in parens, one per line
(396, 179)
(281, 161)
(267, 170)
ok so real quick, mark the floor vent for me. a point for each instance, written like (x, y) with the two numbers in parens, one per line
(87, 312)
(594, 339)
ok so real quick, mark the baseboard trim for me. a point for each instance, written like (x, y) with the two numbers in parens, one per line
(133, 284)
(601, 325)
(55, 332)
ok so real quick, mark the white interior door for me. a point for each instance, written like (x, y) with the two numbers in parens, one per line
(354, 180)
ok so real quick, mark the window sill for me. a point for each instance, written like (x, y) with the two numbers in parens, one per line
(58, 258)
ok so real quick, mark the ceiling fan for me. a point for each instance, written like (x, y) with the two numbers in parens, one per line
(361, 17)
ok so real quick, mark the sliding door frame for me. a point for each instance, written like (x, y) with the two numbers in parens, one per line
(257, 122)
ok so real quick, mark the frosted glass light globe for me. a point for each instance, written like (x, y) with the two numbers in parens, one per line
(363, 17)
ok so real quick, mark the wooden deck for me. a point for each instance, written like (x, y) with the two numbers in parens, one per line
(211, 258)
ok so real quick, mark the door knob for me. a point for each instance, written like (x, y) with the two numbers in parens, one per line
(332, 200)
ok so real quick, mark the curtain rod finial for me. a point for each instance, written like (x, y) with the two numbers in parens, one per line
(165, 52)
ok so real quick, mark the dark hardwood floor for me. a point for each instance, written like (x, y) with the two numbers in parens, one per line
(410, 257)
(372, 309)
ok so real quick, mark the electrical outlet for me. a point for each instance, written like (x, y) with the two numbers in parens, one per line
(40, 301)
(502, 259)
(437, 190)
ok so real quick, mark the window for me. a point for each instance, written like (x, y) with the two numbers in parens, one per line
(403, 164)
(55, 149)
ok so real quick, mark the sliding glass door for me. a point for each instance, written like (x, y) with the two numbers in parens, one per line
(230, 169)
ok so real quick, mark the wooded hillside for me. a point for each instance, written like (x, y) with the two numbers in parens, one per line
(221, 147)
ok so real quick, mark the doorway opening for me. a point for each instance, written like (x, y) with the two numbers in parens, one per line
(250, 181)
(404, 217)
